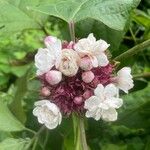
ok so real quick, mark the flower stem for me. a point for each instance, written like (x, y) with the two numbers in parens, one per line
(134, 50)
(82, 134)
(143, 75)
(72, 31)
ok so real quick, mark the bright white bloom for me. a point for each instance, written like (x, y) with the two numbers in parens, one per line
(69, 62)
(124, 79)
(104, 103)
(47, 113)
(46, 58)
(95, 50)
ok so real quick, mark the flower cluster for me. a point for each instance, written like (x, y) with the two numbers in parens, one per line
(78, 77)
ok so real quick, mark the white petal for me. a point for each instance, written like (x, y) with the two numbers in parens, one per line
(125, 72)
(91, 38)
(111, 90)
(114, 102)
(102, 60)
(109, 115)
(44, 61)
(103, 45)
(91, 103)
(94, 61)
(124, 79)
(99, 91)
(47, 113)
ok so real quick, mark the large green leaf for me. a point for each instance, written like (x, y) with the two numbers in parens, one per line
(136, 110)
(7, 121)
(14, 144)
(16, 105)
(112, 13)
(15, 17)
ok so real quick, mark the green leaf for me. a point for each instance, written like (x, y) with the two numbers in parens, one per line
(139, 85)
(136, 110)
(14, 144)
(114, 147)
(141, 18)
(7, 121)
(112, 13)
(15, 17)
(101, 31)
(16, 106)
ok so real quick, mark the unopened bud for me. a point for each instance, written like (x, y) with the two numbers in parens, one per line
(53, 77)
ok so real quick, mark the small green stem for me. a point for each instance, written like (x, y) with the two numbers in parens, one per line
(34, 139)
(134, 50)
(32, 131)
(142, 75)
(72, 31)
(82, 134)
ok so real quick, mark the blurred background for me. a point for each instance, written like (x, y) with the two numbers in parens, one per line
(19, 88)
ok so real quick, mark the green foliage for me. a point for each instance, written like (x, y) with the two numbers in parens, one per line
(14, 144)
(7, 121)
(113, 14)
(115, 21)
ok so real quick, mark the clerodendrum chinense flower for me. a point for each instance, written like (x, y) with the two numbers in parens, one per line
(78, 77)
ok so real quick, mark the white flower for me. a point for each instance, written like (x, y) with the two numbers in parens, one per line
(69, 62)
(46, 58)
(47, 113)
(124, 79)
(104, 103)
(95, 50)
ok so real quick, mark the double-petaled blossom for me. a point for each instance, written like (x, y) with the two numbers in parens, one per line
(69, 62)
(104, 103)
(47, 113)
(95, 50)
(124, 79)
(48, 57)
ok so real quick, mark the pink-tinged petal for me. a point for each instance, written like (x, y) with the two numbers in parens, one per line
(94, 61)
(50, 40)
(102, 60)
(125, 72)
(86, 63)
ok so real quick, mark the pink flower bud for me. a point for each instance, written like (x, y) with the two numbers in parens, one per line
(49, 39)
(53, 77)
(87, 76)
(86, 64)
(78, 100)
(87, 94)
(45, 91)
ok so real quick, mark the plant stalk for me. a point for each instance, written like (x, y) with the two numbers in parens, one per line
(82, 134)
(134, 50)
(72, 31)
(80, 137)
(142, 75)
